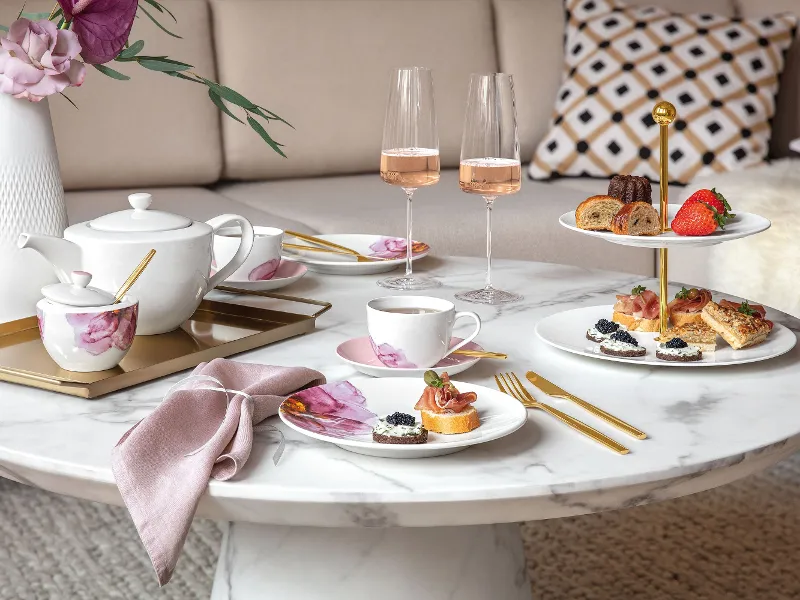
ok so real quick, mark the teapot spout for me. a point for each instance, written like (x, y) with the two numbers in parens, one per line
(62, 254)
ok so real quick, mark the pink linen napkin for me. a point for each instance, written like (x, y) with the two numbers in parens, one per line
(163, 463)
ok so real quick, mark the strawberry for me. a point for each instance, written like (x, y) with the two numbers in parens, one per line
(713, 198)
(697, 218)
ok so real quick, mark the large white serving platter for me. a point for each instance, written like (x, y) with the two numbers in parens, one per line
(567, 331)
(743, 225)
(337, 264)
(499, 413)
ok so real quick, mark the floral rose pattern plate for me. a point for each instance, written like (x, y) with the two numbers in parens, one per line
(391, 247)
(336, 410)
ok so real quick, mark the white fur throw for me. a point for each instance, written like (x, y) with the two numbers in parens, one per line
(764, 267)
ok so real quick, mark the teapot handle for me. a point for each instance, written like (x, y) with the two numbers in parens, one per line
(242, 252)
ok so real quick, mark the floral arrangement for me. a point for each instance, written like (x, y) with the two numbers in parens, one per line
(43, 54)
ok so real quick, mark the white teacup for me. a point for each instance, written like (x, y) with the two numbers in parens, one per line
(264, 258)
(413, 332)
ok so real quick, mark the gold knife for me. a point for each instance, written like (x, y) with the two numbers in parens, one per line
(551, 389)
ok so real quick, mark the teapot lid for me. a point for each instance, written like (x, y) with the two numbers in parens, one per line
(140, 219)
(77, 293)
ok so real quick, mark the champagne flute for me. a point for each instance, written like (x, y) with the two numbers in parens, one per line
(490, 161)
(410, 153)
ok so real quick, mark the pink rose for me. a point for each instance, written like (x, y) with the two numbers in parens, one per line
(98, 332)
(37, 60)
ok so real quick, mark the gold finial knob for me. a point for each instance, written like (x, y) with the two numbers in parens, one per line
(664, 113)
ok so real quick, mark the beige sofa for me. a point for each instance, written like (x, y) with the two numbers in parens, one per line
(324, 66)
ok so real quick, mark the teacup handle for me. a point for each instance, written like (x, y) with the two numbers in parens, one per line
(469, 338)
(242, 252)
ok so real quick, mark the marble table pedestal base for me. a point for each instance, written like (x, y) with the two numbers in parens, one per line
(436, 563)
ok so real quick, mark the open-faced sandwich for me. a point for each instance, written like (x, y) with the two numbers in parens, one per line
(741, 325)
(622, 343)
(399, 428)
(677, 350)
(444, 409)
(687, 306)
(638, 311)
(698, 335)
(602, 330)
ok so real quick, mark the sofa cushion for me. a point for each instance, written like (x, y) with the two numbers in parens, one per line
(525, 225)
(151, 130)
(722, 75)
(530, 43)
(195, 202)
(324, 66)
(786, 124)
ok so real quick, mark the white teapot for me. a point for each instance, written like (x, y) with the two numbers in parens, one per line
(111, 246)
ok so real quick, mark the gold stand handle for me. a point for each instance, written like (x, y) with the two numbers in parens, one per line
(585, 429)
(664, 113)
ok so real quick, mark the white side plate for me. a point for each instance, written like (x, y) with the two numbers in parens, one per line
(366, 244)
(499, 413)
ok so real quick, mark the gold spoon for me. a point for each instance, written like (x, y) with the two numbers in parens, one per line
(133, 277)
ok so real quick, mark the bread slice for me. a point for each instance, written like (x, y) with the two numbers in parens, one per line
(634, 324)
(597, 212)
(738, 329)
(698, 335)
(679, 319)
(451, 422)
(636, 218)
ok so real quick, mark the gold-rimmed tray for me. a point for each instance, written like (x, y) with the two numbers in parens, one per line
(233, 321)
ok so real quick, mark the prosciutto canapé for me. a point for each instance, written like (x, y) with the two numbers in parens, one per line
(685, 305)
(639, 306)
(445, 398)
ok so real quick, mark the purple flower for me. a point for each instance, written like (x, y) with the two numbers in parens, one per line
(391, 357)
(264, 271)
(98, 332)
(102, 26)
(388, 247)
(336, 409)
(37, 60)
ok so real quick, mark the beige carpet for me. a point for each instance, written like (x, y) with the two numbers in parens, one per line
(741, 541)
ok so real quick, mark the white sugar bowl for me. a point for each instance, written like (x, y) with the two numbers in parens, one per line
(81, 327)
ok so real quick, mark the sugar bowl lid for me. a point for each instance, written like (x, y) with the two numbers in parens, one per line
(77, 293)
(140, 218)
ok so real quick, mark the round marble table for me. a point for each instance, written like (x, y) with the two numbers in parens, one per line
(328, 523)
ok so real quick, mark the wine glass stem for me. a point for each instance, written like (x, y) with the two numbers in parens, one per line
(409, 242)
(489, 202)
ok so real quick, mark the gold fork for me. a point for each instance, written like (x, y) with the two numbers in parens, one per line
(354, 254)
(513, 387)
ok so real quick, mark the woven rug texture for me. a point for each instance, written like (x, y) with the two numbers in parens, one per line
(741, 541)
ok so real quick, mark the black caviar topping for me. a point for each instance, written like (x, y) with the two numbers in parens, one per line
(399, 418)
(676, 342)
(624, 336)
(606, 326)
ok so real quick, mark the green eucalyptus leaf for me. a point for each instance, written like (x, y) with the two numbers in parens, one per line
(3, 28)
(111, 72)
(161, 8)
(182, 76)
(231, 95)
(215, 98)
(259, 129)
(269, 115)
(159, 25)
(163, 65)
(132, 50)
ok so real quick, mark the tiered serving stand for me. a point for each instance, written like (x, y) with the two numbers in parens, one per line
(567, 330)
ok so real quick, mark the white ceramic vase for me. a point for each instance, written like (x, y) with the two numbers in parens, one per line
(31, 199)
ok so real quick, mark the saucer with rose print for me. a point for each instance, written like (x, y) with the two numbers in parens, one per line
(380, 246)
(344, 413)
(287, 273)
(359, 354)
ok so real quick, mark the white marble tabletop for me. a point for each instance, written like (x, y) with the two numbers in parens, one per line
(706, 426)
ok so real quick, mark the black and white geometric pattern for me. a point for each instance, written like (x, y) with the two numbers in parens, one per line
(720, 73)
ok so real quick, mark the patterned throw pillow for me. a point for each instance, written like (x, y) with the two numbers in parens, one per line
(720, 73)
